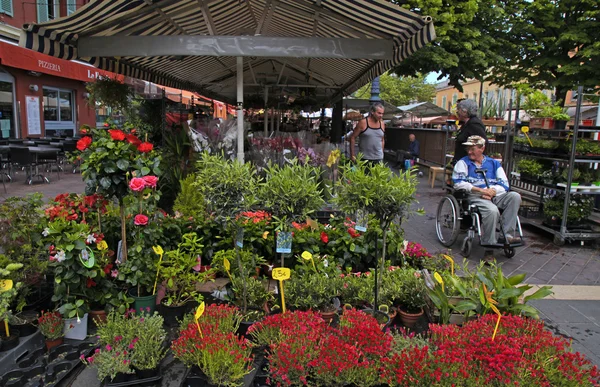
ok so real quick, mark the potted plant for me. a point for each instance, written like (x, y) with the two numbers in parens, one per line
(356, 290)
(580, 208)
(176, 273)
(560, 119)
(411, 297)
(259, 298)
(8, 292)
(52, 327)
(529, 169)
(313, 290)
(129, 343)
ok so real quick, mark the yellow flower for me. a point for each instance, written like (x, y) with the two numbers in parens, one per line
(102, 245)
(488, 298)
(265, 234)
(334, 155)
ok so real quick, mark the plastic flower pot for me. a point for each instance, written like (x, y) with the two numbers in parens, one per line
(143, 302)
(75, 328)
(11, 341)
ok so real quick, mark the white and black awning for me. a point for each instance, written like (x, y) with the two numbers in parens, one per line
(331, 46)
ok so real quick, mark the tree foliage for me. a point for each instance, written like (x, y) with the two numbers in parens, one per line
(400, 90)
(551, 44)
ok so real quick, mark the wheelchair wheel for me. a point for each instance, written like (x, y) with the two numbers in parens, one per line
(509, 252)
(466, 247)
(447, 224)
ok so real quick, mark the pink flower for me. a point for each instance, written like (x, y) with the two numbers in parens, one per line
(108, 347)
(137, 184)
(150, 181)
(114, 273)
(140, 220)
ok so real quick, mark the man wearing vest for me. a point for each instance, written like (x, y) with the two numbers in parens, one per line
(370, 133)
(488, 200)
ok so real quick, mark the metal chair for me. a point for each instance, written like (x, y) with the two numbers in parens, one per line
(21, 156)
(50, 159)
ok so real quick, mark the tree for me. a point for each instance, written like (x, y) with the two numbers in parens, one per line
(552, 44)
(468, 43)
(400, 90)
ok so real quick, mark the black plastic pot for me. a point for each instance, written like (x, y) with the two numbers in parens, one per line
(10, 342)
(173, 314)
(26, 329)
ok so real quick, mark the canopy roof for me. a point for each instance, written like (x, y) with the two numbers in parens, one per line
(312, 48)
(424, 109)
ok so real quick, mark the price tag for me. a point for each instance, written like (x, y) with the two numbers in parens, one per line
(525, 130)
(449, 258)
(284, 242)
(158, 250)
(239, 239)
(439, 279)
(281, 274)
(227, 267)
(309, 257)
(6, 285)
(312, 224)
(362, 218)
(198, 314)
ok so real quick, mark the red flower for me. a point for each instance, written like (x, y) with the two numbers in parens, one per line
(84, 143)
(133, 139)
(140, 220)
(83, 131)
(90, 283)
(324, 237)
(145, 147)
(133, 131)
(150, 181)
(117, 134)
(108, 268)
(137, 184)
(353, 232)
(106, 125)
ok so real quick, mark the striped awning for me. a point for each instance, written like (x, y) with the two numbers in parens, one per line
(215, 76)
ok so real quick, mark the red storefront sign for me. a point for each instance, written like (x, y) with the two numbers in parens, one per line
(22, 58)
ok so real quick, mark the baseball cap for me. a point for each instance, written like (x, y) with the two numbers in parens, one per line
(474, 140)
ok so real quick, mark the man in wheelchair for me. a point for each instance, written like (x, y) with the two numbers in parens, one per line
(486, 184)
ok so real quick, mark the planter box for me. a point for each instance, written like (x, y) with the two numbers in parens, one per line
(541, 123)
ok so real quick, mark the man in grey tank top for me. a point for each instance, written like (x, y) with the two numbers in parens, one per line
(370, 133)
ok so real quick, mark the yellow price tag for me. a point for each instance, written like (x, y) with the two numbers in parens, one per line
(309, 257)
(6, 285)
(198, 314)
(227, 266)
(449, 258)
(158, 251)
(525, 129)
(457, 122)
(439, 279)
(6, 328)
(312, 224)
(281, 274)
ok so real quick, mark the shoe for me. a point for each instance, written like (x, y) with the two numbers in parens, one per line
(488, 257)
(512, 240)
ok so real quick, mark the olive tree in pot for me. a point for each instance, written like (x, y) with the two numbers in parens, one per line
(380, 192)
(228, 188)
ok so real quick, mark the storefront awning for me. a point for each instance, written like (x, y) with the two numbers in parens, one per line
(342, 46)
(18, 57)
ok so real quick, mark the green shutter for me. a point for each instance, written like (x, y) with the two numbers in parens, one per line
(71, 6)
(42, 11)
(6, 7)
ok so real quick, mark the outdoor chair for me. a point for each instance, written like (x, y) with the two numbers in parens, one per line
(50, 159)
(22, 157)
(70, 147)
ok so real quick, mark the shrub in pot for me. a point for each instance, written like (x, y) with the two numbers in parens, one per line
(529, 169)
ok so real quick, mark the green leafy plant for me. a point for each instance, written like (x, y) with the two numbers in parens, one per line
(312, 291)
(7, 272)
(189, 201)
(177, 273)
(110, 92)
(580, 207)
(530, 167)
(258, 297)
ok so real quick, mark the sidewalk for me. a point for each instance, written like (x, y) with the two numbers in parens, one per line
(573, 271)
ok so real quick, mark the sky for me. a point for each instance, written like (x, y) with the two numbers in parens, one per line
(432, 78)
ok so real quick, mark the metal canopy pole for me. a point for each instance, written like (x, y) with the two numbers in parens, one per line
(272, 110)
(266, 114)
(507, 156)
(240, 109)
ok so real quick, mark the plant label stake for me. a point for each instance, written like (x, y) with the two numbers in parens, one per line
(199, 312)
(6, 285)
(361, 220)
(227, 267)
(281, 274)
(439, 279)
(525, 130)
(239, 239)
(308, 256)
(493, 303)
(449, 258)
(158, 250)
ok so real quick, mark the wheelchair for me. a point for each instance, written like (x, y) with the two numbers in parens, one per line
(456, 214)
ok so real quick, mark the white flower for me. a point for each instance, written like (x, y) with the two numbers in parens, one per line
(85, 255)
(46, 232)
(325, 263)
(60, 256)
(78, 319)
(90, 239)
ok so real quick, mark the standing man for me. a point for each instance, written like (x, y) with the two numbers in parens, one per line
(466, 110)
(371, 133)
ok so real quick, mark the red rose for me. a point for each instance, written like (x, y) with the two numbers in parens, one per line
(324, 237)
(83, 131)
(150, 181)
(145, 147)
(106, 125)
(117, 134)
(133, 139)
(83, 143)
(140, 220)
(137, 184)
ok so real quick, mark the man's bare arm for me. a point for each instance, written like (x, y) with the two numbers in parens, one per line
(357, 130)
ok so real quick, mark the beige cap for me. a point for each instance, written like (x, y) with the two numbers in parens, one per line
(474, 140)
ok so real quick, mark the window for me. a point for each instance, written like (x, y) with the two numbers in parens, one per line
(47, 10)
(71, 6)
(475, 97)
(6, 7)
(58, 107)
(444, 100)
(434, 101)
(454, 99)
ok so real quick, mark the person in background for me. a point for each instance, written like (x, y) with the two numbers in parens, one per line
(466, 109)
(412, 153)
(488, 200)
(371, 133)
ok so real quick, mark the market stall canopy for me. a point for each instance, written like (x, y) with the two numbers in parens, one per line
(310, 49)
(424, 109)
(364, 105)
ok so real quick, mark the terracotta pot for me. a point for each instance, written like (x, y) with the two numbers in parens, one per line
(409, 319)
(98, 316)
(328, 316)
(54, 343)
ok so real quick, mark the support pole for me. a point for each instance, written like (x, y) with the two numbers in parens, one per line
(272, 119)
(266, 114)
(507, 156)
(240, 109)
